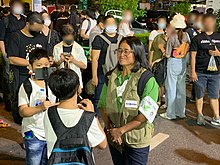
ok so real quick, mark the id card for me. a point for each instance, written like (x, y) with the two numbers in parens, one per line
(149, 108)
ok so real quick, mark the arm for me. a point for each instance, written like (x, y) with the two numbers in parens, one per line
(83, 35)
(95, 57)
(81, 60)
(80, 64)
(150, 53)
(85, 25)
(193, 66)
(2, 47)
(18, 61)
(103, 144)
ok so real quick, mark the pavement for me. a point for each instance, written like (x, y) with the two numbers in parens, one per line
(179, 142)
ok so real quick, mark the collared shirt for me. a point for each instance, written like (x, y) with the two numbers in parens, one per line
(151, 89)
(13, 26)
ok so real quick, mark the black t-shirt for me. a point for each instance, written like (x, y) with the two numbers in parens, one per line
(13, 25)
(201, 44)
(67, 49)
(21, 45)
(99, 44)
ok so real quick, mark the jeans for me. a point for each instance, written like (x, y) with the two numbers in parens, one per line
(36, 151)
(98, 91)
(130, 156)
(176, 87)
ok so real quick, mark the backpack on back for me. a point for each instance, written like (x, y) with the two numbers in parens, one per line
(111, 58)
(72, 145)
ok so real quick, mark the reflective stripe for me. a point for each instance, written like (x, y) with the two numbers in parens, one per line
(71, 150)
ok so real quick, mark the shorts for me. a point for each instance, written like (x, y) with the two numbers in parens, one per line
(209, 82)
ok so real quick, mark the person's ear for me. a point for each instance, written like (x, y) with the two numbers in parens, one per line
(79, 90)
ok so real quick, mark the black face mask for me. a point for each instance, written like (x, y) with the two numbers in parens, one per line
(34, 33)
(69, 42)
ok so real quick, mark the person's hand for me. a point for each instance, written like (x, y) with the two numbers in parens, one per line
(86, 105)
(194, 77)
(62, 57)
(215, 52)
(71, 59)
(45, 105)
(116, 134)
(95, 81)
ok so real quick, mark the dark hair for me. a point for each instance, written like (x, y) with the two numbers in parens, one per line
(161, 17)
(100, 19)
(5, 10)
(35, 17)
(107, 17)
(205, 16)
(194, 12)
(139, 53)
(180, 35)
(64, 83)
(90, 13)
(209, 11)
(37, 54)
(12, 2)
(67, 30)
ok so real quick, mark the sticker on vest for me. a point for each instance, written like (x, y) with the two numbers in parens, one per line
(149, 108)
(121, 89)
(131, 104)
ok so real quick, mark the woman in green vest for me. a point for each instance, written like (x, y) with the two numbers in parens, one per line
(128, 131)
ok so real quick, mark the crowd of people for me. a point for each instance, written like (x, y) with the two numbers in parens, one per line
(58, 125)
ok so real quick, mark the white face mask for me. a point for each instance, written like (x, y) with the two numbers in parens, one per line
(111, 29)
(18, 10)
(47, 22)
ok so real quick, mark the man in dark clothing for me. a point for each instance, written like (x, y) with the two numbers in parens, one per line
(8, 25)
(205, 47)
(22, 43)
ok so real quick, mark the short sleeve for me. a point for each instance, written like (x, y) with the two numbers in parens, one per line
(81, 56)
(13, 46)
(23, 98)
(151, 89)
(85, 25)
(169, 46)
(95, 135)
(102, 100)
(194, 45)
(152, 35)
(3, 30)
(97, 43)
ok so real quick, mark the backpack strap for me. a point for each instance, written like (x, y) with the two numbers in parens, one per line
(119, 39)
(56, 122)
(28, 88)
(105, 39)
(146, 75)
(85, 121)
(6, 22)
(89, 26)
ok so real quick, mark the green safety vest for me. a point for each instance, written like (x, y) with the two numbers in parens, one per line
(141, 136)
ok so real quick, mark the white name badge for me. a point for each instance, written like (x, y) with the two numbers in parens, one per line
(149, 108)
(131, 104)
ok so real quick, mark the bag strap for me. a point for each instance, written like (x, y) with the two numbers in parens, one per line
(56, 122)
(105, 39)
(28, 88)
(49, 37)
(89, 26)
(146, 75)
(85, 122)
(119, 39)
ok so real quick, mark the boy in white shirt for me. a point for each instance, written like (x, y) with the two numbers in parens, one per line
(65, 86)
(32, 106)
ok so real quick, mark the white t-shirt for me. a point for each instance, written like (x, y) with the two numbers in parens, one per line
(85, 25)
(124, 29)
(153, 34)
(70, 118)
(35, 122)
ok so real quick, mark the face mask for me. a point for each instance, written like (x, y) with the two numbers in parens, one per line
(34, 33)
(111, 29)
(69, 42)
(161, 25)
(18, 10)
(199, 25)
(47, 22)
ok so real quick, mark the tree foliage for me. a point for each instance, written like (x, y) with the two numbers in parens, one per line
(122, 5)
(182, 8)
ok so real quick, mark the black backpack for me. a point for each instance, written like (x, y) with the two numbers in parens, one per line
(159, 70)
(72, 145)
(146, 75)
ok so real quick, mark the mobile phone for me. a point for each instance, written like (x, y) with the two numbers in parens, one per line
(212, 47)
(29, 134)
(43, 73)
(66, 53)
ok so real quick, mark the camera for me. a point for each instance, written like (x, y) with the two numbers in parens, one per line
(43, 73)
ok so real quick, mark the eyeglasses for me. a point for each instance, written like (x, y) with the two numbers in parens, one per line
(126, 52)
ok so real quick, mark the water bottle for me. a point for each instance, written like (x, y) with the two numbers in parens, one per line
(40, 95)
